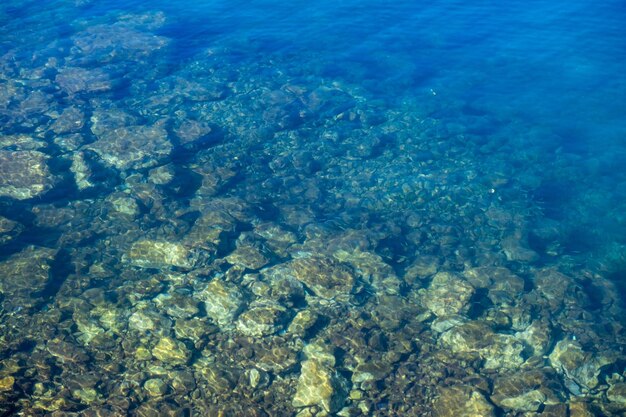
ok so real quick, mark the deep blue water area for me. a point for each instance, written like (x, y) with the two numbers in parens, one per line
(351, 208)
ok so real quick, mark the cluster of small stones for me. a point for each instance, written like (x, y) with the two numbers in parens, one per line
(228, 245)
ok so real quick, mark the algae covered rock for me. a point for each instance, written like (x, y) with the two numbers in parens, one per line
(373, 269)
(503, 285)
(462, 401)
(133, 147)
(177, 305)
(219, 377)
(83, 172)
(123, 40)
(74, 80)
(160, 254)
(477, 339)
(516, 248)
(71, 120)
(248, 256)
(319, 383)
(171, 351)
(26, 273)
(223, 301)
(262, 318)
(155, 387)
(24, 174)
(6, 383)
(528, 390)
(9, 229)
(579, 366)
(302, 322)
(447, 294)
(325, 277)
(617, 395)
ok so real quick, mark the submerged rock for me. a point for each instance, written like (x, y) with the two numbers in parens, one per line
(263, 318)
(177, 305)
(503, 285)
(194, 329)
(155, 387)
(248, 256)
(211, 228)
(133, 147)
(66, 352)
(171, 351)
(302, 322)
(325, 277)
(80, 80)
(26, 273)
(462, 401)
(24, 174)
(583, 368)
(477, 339)
(373, 269)
(220, 378)
(538, 336)
(617, 395)
(223, 301)
(71, 120)
(124, 205)
(161, 254)
(516, 249)
(370, 371)
(319, 383)
(9, 229)
(6, 383)
(528, 390)
(21, 142)
(447, 294)
(190, 131)
(83, 172)
(118, 41)
(107, 117)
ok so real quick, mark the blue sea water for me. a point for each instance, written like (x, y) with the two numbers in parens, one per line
(214, 207)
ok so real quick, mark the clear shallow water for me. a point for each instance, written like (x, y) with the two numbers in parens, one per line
(218, 207)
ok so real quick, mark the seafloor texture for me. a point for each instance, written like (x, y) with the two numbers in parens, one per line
(245, 235)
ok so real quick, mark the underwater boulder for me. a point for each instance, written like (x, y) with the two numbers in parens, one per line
(24, 174)
(133, 147)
